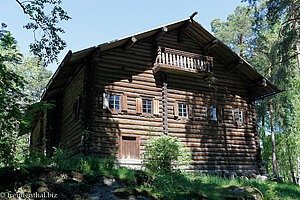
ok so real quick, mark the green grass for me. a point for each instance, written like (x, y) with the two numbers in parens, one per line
(195, 186)
(175, 186)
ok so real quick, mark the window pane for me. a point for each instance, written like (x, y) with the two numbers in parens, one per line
(214, 114)
(111, 101)
(117, 98)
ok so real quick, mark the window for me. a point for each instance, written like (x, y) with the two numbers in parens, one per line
(214, 117)
(238, 115)
(215, 113)
(114, 102)
(147, 106)
(212, 113)
(76, 108)
(130, 148)
(182, 110)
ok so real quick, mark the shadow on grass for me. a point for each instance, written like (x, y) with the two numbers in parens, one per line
(288, 191)
(179, 186)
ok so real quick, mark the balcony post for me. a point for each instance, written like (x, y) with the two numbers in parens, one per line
(159, 55)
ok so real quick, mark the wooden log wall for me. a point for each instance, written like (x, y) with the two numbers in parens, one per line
(70, 133)
(221, 145)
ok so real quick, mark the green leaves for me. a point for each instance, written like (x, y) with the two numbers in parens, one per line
(49, 44)
(165, 153)
(236, 31)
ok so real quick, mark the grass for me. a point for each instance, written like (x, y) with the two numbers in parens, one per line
(175, 186)
(197, 186)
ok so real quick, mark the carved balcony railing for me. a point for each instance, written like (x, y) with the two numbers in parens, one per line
(171, 59)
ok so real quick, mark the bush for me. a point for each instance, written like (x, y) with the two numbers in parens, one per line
(165, 154)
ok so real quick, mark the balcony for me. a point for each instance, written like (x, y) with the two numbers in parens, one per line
(176, 61)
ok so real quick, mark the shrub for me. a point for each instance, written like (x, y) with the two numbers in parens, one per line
(165, 153)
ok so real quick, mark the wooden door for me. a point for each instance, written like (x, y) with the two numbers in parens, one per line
(129, 147)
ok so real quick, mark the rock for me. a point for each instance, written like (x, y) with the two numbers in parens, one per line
(108, 182)
(261, 178)
(253, 175)
(233, 175)
(245, 178)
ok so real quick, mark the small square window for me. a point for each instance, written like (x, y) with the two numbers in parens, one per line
(114, 102)
(182, 110)
(147, 106)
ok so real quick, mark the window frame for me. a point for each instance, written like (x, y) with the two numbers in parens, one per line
(114, 101)
(181, 113)
(152, 104)
(240, 114)
(217, 113)
(106, 101)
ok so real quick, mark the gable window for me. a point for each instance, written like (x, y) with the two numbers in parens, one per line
(114, 102)
(147, 106)
(182, 110)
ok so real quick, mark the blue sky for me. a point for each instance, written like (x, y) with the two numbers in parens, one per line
(97, 21)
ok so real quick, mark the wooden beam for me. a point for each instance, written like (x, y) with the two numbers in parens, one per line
(235, 64)
(130, 43)
(252, 87)
(160, 33)
(211, 45)
(259, 83)
(165, 102)
(182, 29)
(193, 15)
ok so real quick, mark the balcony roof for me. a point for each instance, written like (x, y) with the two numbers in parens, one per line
(194, 30)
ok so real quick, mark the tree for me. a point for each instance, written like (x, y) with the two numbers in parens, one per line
(13, 92)
(50, 44)
(35, 75)
(284, 57)
(11, 85)
(287, 12)
(236, 31)
(273, 56)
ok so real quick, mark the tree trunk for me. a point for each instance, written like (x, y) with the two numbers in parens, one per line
(297, 30)
(292, 170)
(289, 153)
(273, 139)
(298, 170)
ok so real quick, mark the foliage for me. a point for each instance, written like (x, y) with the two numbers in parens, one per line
(236, 31)
(165, 153)
(50, 44)
(22, 80)
(270, 47)
(11, 85)
(35, 75)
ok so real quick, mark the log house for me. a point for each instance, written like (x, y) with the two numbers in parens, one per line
(177, 79)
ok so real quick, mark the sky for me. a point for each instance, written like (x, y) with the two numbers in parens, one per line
(97, 21)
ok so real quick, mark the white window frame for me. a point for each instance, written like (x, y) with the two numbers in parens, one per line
(146, 109)
(181, 112)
